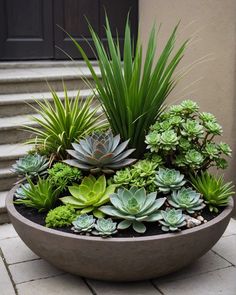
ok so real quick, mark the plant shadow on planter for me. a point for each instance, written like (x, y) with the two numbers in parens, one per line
(119, 259)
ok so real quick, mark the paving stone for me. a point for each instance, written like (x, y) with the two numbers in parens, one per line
(5, 282)
(220, 282)
(226, 247)
(59, 285)
(206, 263)
(7, 231)
(135, 288)
(14, 250)
(32, 270)
(231, 229)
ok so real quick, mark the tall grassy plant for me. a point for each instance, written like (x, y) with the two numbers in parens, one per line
(63, 122)
(132, 90)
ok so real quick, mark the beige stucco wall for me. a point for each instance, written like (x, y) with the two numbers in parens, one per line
(212, 83)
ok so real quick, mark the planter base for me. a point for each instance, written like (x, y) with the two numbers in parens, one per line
(119, 259)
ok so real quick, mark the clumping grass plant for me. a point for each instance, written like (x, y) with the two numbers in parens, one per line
(88, 181)
(62, 122)
(133, 88)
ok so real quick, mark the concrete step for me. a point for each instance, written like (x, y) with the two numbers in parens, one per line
(20, 104)
(43, 64)
(7, 179)
(9, 153)
(11, 129)
(4, 218)
(26, 80)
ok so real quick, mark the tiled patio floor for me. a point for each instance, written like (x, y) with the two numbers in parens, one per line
(23, 273)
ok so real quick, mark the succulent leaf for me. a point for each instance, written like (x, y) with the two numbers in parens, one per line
(169, 179)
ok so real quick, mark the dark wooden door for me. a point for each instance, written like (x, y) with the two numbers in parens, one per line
(30, 29)
(26, 29)
(72, 16)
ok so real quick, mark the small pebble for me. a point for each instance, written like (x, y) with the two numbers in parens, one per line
(205, 221)
(200, 218)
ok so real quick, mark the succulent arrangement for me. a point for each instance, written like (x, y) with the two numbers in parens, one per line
(136, 168)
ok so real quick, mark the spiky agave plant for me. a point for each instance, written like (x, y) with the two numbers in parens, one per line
(62, 122)
(132, 90)
(100, 152)
(214, 190)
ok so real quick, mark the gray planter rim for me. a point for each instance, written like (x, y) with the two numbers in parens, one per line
(12, 210)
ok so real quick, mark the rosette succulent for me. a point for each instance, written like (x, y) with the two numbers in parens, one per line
(135, 207)
(173, 219)
(194, 158)
(169, 140)
(214, 190)
(152, 140)
(100, 152)
(169, 179)
(186, 199)
(213, 127)
(83, 224)
(31, 166)
(89, 195)
(105, 227)
(192, 129)
(188, 106)
(21, 191)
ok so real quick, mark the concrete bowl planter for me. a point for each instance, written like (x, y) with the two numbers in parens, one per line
(119, 259)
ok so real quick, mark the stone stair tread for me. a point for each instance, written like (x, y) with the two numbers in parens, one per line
(16, 122)
(42, 64)
(6, 172)
(3, 195)
(18, 98)
(13, 151)
(44, 74)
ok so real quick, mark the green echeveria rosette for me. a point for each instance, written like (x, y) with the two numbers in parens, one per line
(134, 206)
(192, 129)
(207, 117)
(173, 220)
(105, 227)
(22, 190)
(189, 107)
(224, 148)
(194, 159)
(169, 140)
(211, 151)
(152, 140)
(31, 165)
(83, 224)
(186, 199)
(213, 128)
(168, 180)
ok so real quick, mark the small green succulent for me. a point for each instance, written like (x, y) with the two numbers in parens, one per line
(214, 190)
(21, 190)
(134, 206)
(169, 140)
(173, 219)
(63, 175)
(41, 196)
(194, 158)
(189, 106)
(169, 179)
(192, 129)
(213, 127)
(83, 224)
(31, 166)
(207, 117)
(89, 195)
(105, 227)
(123, 177)
(186, 199)
(224, 148)
(61, 216)
(152, 140)
(211, 150)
